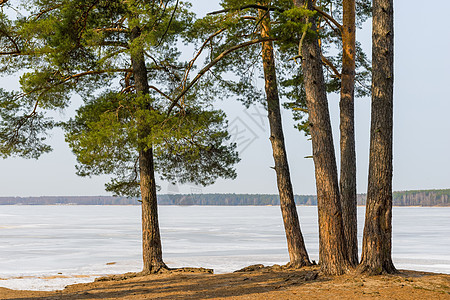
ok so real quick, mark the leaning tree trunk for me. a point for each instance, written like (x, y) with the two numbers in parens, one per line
(296, 246)
(332, 247)
(347, 129)
(151, 240)
(377, 239)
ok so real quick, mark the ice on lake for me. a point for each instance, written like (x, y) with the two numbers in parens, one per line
(49, 247)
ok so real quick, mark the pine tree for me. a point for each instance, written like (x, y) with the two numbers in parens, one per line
(333, 250)
(122, 58)
(347, 131)
(232, 27)
(336, 28)
(242, 23)
(376, 255)
(296, 245)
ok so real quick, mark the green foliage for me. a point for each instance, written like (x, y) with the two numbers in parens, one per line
(195, 152)
(241, 21)
(404, 198)
(290, 26)
(292, 88)
(24, 135)
(231, 199)
(188, 146)
(84, 47)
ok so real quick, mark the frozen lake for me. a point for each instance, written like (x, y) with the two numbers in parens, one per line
(38, 242)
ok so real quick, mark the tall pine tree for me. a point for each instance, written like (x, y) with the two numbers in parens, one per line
(376, 255)
(122, 58)
(333, 249)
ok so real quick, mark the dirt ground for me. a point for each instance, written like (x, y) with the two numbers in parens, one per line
(306, 283)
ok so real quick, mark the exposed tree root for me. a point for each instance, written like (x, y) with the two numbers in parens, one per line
(305, 273)
(298, 264)
(274, 268)
(163, 270)
(369, 269)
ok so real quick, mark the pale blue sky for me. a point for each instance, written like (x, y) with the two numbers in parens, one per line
(421, 125)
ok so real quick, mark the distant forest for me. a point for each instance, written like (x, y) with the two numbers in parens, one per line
(404, 198)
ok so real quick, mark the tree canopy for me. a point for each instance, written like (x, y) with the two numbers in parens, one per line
(84, 47)
(238, 22)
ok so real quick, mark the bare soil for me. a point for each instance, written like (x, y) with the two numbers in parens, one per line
(253, 283)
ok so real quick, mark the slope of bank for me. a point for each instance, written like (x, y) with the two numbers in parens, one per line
(402, 198)
(306, 283)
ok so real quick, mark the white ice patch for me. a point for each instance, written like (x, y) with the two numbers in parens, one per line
(43, 284)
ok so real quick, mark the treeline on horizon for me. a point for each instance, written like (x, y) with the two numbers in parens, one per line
(401, 198)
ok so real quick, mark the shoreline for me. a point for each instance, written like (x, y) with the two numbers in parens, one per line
(266, 283)
(211, 205)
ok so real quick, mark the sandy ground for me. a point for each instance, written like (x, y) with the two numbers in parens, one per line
(306, 283)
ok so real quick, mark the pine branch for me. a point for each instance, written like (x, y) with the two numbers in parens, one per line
(168, 25)
(328, 63)
(191, 63)
(114, 44)
(328, 17)
(15, 53)
(22, 122)
(4, 33)
(159, 91)
(321, 12)
(42, 12)
(164, 66)
(112, 29)
(212, 63)
(92, 73)
(245, 7)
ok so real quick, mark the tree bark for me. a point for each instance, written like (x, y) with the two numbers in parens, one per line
(151, 240)
(333, 250)
(296, 245)
(377, 239)
(347, 130)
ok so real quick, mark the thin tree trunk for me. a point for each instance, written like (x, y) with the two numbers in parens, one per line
(296, 246)
(347, 129)
(377, 239)
(333, 250)
(151, 240)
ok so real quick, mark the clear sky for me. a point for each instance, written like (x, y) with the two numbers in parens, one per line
(421, 125)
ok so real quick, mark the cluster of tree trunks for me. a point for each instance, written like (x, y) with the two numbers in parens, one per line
(337, 207)
(336, 201)
(332, 246)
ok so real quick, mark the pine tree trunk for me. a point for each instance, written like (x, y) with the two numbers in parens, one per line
(296, 246)
(377, 239)
(347, 129)
(333, 250)
(151, 240)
